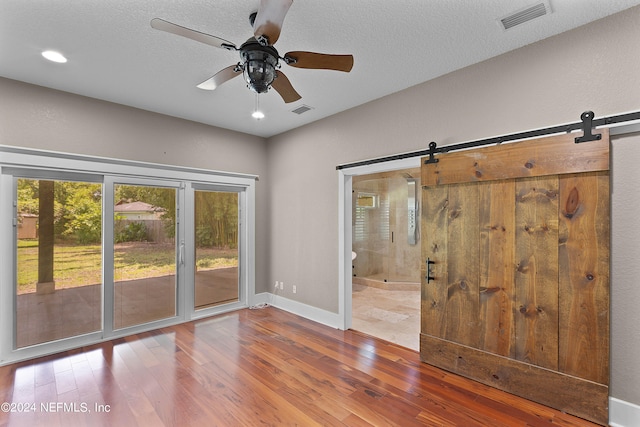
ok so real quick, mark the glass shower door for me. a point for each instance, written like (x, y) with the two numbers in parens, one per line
(385, 234)
(404, 250)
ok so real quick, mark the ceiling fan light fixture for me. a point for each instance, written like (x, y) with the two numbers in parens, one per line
(259, 59)
(259, 70)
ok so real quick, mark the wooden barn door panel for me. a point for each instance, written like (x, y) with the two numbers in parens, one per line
(584, 248)
(536, 271)
(520, 291)
(497, 289)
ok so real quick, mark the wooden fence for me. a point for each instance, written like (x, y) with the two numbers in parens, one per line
(155, 229)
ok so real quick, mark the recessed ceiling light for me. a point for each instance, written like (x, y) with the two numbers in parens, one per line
(54, 56)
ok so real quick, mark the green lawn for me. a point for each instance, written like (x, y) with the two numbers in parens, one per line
(78, 265)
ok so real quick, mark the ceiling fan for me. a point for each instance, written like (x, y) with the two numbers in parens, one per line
(260, 61)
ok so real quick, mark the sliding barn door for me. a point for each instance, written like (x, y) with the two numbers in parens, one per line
(515, 288)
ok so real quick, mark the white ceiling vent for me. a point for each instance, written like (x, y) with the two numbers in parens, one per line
(302, 109)
(524, 15)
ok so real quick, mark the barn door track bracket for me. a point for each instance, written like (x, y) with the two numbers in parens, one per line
(587, 126)
(432, 151)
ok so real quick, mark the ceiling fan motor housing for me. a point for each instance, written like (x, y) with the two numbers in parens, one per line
(260, 64)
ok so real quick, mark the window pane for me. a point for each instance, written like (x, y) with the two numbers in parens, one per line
(216, 225)
(144, 254)
(59, 260)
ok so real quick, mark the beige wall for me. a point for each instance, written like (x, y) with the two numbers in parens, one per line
(35, 117)
(625, 269)
(596, 67)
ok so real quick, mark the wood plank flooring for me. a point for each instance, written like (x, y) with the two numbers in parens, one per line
(254, 367)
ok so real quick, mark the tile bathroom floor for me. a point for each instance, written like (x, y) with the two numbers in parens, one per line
(389, 314)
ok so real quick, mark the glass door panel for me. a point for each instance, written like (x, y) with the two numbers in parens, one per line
(59, 260)
(404, 252)
(145, 285)
(371, 232)
(216, 248)
(385, 243)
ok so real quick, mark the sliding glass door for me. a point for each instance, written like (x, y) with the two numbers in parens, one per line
(58, 287)
(145, 253)
(97, 250)
(216, 215)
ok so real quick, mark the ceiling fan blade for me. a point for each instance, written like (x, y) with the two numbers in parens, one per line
(282, 85)
(169, 27)
(220, 77)
(323, 61)
(269, 20)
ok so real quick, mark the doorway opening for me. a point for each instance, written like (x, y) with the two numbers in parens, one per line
(386, 256)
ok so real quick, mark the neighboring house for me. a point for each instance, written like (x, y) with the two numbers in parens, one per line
(27, 226)
(138, 211)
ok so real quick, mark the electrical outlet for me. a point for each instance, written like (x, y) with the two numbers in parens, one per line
(294, 289)
(281, 285)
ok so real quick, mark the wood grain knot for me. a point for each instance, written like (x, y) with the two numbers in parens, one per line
(572, 204)
(522, 267)
(528, 165)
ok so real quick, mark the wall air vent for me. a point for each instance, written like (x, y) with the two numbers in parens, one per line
(302, 109)
(525, 15)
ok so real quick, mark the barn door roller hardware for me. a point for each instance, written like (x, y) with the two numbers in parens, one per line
(432, 151)
(586, 125)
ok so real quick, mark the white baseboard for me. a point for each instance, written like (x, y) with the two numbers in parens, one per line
(308, 312)
(623, 414)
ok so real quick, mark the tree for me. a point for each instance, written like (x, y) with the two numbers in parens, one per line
(76, 209)
(83, 214)
(216, 219)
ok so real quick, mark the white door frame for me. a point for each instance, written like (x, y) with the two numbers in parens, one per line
(345, 221)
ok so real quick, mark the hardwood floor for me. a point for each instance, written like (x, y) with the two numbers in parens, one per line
(253, 367)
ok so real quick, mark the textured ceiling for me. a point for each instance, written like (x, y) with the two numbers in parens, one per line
(115, 55)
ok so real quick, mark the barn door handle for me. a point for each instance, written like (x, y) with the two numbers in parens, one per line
(429, 276)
